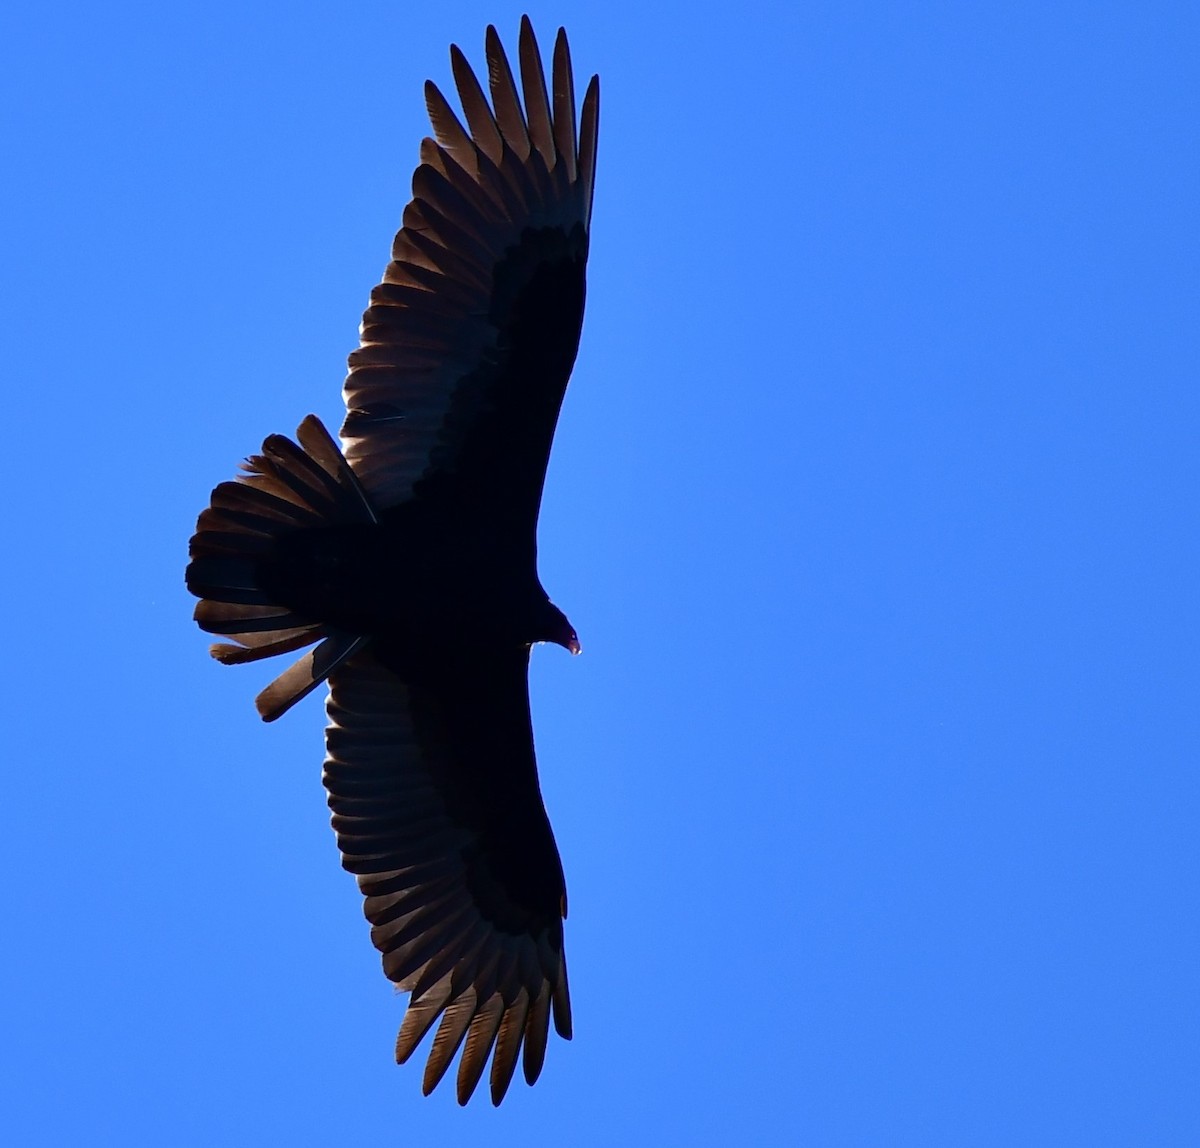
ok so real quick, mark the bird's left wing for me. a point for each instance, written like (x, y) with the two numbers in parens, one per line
(437, 810)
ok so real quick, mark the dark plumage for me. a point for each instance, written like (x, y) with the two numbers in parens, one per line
(411, 562)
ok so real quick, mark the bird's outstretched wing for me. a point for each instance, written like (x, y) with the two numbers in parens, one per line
(470, 338)
(437, 811)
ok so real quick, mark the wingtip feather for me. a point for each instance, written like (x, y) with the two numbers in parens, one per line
(564, 105)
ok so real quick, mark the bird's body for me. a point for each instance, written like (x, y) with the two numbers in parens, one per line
(420, 579)
(410, 554)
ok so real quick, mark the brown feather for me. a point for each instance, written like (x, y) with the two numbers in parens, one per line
(446, 126)
(413, 938)
(537, 106)
(564, 104)
(458, 960)
(537, 1034)
(480, 1037)
(318, 442)
(455, 1021)
(238, 655)
(508, 1045)
(231, 618)
(302, 677)
(479, 115)
(589, 130)
(509, 116)
(452, 231)
(422, 1012)
(310, 478)
(247, 495)
(449, 262)
(405, 964)
(507, 192)
(405, 901)
(561, 1000)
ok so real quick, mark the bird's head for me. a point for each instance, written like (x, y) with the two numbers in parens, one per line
(554, 627)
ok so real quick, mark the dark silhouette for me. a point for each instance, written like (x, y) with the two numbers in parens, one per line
(412, 561)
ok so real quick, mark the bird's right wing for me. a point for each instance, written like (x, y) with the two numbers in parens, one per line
(469, 341)
(437, 810)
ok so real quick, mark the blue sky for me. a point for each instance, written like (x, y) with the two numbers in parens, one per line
(873, 501)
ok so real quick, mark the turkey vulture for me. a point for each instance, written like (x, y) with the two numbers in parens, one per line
(408, 556)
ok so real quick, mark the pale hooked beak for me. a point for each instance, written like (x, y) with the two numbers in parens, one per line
(573, 645)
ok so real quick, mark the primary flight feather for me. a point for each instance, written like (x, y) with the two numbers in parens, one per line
(406, 559)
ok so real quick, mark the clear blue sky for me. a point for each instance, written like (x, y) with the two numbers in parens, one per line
(873, 500)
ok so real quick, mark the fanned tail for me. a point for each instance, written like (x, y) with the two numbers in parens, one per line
(285, 489)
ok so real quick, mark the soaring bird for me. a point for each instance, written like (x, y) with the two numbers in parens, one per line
(408, 556)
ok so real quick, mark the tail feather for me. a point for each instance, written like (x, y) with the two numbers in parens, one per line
(236, 542)
(285, 489)
(234, 619)
(212, 574)
(305, 476)
(324, 482)
(290, 478)
(321, 446)
(257, 643)
(246, 497)
(238, 521)
(302, 677)
(291, 641)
